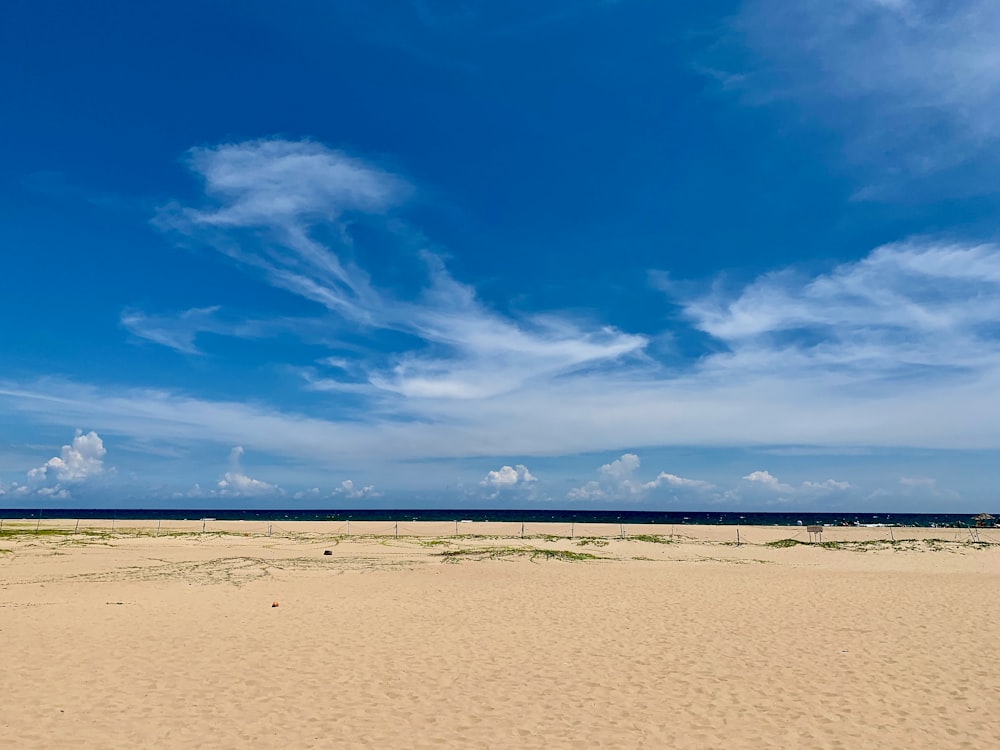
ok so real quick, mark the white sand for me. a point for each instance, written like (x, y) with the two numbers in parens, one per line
(171, 641)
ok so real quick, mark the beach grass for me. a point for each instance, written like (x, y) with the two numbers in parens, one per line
(496, 553)
(651, 538)
(779, 543)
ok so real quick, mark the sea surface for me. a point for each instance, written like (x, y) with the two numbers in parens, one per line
(517, 515)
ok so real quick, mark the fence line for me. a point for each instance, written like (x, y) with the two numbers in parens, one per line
(485, 529)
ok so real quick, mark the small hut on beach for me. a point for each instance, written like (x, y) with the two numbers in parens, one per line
(984, 519)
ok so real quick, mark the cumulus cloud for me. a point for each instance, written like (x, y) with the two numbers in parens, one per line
(76, 462)
(913, 85)
(770, 483)
(512, 481)
(348, 490)
(766, 479)
(621, 469)
(240, 485)
(235, 483)
(508, 477)
(617, 481)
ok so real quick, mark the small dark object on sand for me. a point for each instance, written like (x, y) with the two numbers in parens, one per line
(274, 604)
(328, 552)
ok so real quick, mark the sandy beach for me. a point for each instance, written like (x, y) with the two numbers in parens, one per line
(472, 636)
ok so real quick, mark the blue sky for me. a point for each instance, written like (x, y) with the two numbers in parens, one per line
(734, 255)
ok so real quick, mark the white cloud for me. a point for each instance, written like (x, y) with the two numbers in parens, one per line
(348, 490)
(828, 484)
(765, 478)
(265, 182)
(54, 493)
(508, 476)
(769, 482)
(290, 190)
(664, 479)
(802, 357)
(899, 348)
(240, 485)
(881, 330)
(621, 469)
(235, 483)
(918, 289)
(176, 332)
(76, 462)
(263, 196)
(914, 85)
(618, 482)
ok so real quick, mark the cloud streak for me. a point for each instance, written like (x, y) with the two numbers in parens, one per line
(899, 349)
(267, 201)
(913, 85)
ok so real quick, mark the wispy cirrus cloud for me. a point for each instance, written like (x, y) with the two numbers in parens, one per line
(269, 200)
(918, 307)
(181, 330)
(177, 332)
(913, 85)
(898, 349)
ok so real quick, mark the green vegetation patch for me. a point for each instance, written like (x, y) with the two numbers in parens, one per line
(497, 553)
(777, 543)
(651, 538)
(24, 531)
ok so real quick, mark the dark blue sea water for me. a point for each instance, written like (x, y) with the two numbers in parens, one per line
(527, 515)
